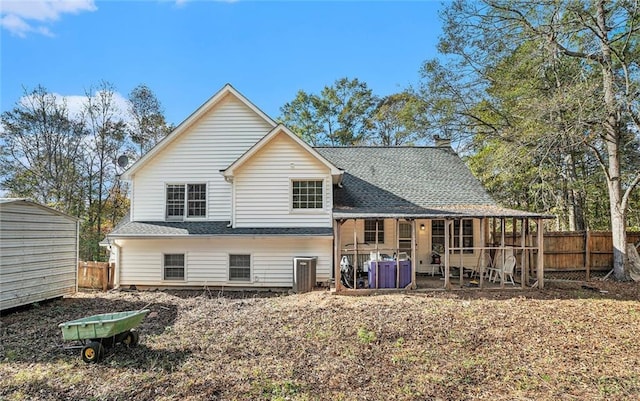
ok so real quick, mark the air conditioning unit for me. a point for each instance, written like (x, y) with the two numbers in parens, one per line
(304, 273)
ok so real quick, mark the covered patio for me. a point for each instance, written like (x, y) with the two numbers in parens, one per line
(467, 247)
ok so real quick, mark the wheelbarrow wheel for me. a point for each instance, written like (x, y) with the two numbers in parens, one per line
(131, 338)
(92, 352)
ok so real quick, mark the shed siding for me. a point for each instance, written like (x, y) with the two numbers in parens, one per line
(197, 156)
(263, 187)
(38, 254)
(206, 260)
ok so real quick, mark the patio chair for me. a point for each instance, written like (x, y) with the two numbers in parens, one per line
(505, 272)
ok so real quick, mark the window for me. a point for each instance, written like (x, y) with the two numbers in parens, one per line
(467, 234)
(174, 266)
(240, 267)
(370, 231)
(195, 201)
(175, 200)
(307, 194)
(437, 236)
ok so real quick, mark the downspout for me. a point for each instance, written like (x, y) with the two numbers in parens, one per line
(116, 271)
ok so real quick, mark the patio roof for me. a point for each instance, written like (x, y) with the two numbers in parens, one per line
(410, 182)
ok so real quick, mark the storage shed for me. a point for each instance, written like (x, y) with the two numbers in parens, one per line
(38, 253)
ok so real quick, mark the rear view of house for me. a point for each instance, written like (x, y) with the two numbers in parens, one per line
(38, 253)
(232, 199)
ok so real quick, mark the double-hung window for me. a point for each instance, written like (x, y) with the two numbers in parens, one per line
(239, 267)
(186, 201)
(307, 194)
(173, 266)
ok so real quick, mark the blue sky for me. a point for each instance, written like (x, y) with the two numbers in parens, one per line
(186, 50)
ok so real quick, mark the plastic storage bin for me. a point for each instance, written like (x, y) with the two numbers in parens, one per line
(387, 274)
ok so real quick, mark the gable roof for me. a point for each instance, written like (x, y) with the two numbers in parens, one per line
(192, 119)
(280, 129)
(409, 182)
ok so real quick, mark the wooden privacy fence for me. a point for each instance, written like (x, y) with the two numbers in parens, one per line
(95, 275)
(583, 252)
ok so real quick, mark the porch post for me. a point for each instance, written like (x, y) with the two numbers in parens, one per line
(355, 255)
(523, 256)
(503, 227)
(413, 255)
(337, 224)
(447, 283)
(397, 251)
(460, 246)
(482, 250)
(540, 262)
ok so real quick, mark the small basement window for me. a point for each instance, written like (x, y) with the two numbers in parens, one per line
(239, 267)
(174, 266)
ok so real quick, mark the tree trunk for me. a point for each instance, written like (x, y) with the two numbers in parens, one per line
(611, 138)
(619, 237)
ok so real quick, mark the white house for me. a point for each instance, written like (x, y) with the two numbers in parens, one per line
(230, 198)
(38, 253)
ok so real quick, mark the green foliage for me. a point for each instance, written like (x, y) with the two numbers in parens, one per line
(148, 125)
(68, 162)
(340, 115)
(528, 90)
(366, 336)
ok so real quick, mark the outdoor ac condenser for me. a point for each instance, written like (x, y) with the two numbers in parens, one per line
(304, 273)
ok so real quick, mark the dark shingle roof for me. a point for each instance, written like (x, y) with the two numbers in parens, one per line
(209, 228)
(409, 179)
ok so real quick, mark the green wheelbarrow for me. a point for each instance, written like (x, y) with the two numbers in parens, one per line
(99, 331)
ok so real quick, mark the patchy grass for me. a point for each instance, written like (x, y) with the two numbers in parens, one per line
(566, 342)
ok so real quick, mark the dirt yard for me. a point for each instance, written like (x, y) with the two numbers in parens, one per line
(567, 342)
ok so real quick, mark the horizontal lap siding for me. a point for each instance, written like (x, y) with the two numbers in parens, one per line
(212, 144)
(263, 187)
(38, 254)
(207, 260)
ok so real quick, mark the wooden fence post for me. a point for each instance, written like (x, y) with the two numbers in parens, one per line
(587, 254)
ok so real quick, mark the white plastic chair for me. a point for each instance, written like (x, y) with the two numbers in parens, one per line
(505, 272)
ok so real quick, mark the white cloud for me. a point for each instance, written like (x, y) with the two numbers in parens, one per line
(21, 17)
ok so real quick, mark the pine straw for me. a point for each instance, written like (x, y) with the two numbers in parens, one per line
(564, 343)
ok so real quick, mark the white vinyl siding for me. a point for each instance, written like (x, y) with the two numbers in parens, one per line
(263, 187)
(207, 260)
(198, 155)
(38, 254)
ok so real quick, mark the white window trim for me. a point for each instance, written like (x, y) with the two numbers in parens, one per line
(184, 217)
(250, 281)
(293, 210)
(184, 279)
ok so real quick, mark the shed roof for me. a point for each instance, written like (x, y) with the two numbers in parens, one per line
(29, 202)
